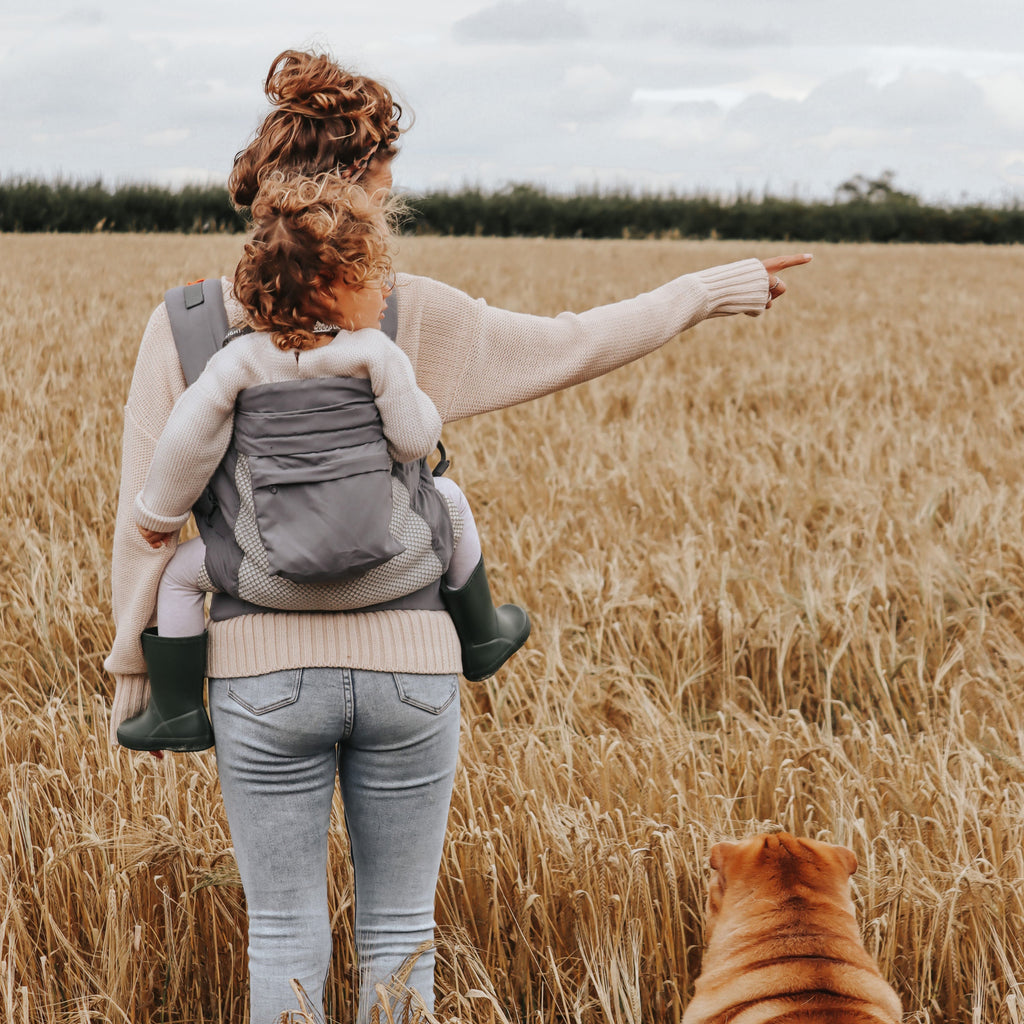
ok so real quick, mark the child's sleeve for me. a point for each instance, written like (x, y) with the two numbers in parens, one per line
(193, 442)
(411, 421)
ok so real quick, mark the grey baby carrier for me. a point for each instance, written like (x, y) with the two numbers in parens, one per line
(296, 515)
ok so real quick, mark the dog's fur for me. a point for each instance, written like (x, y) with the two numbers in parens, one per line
(783, 946)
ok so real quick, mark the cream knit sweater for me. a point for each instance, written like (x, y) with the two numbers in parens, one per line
(469, 358)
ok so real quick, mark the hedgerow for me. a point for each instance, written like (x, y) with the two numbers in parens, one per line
(862, 211)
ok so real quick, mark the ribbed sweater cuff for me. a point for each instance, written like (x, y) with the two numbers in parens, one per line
(740, 287)
(151, 521)
(131, 695)
(394, 641)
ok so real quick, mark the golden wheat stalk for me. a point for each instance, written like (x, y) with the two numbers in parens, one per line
(775, 572)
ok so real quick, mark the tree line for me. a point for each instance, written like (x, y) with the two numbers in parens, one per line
(28, 205)
(862, 210)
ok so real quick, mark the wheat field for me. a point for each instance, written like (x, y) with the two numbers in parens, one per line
(775, 572)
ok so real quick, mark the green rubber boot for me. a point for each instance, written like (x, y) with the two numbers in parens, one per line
(175, 718)
(488, 636)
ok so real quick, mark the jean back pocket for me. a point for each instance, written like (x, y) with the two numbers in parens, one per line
(268, 692)
(432, 693)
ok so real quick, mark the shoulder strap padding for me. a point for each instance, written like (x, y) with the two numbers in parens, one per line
(389, 325)
(194, 294)
(198, 323)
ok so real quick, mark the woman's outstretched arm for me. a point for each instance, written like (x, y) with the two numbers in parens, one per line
(471, 357)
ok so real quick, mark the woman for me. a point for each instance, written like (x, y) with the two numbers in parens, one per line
(370, 698)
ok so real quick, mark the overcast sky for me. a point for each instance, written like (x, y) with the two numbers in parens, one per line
(788, 96)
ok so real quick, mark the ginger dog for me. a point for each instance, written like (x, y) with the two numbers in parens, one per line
(783, 946)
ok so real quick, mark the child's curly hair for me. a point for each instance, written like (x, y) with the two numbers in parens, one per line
(311, 235)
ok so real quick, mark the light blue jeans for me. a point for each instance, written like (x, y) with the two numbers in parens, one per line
(392, 741)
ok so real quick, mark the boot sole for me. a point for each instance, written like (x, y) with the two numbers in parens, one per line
(195, 736)
(479, 674)
(188, 746)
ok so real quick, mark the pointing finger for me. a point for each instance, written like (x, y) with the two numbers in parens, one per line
(776, 263)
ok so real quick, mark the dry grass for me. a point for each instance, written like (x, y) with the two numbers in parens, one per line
(775, 574)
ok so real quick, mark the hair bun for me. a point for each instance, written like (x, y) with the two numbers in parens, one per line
(306, 83)
(324, 118)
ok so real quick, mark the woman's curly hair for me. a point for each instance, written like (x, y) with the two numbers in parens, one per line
(324, 118)
(311, 235)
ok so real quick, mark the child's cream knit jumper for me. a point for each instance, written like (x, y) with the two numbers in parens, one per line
(198, 431)
(469, 358)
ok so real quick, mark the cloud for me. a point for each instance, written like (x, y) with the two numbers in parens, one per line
(166, 137)
(1004, 93)
(83, 17)
(650, 94)
(591, 93)
(732, 36)
(929, 101)
(936, 130)
(521, 21)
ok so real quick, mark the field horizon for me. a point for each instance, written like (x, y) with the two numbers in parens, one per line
(775, 573)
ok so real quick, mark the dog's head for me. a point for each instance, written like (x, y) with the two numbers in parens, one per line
(777, 868)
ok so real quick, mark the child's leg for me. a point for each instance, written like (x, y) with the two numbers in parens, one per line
(467, 552)
(488, 636)
(175, 654)
(180, 604)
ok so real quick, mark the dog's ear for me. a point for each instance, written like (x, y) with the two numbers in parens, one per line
(721, 857)
(847, 858)
(721, 854)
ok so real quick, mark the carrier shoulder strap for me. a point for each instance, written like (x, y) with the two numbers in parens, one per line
(389, 325)
(199, 323)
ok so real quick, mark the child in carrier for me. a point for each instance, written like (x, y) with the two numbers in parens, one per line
(331, 513)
